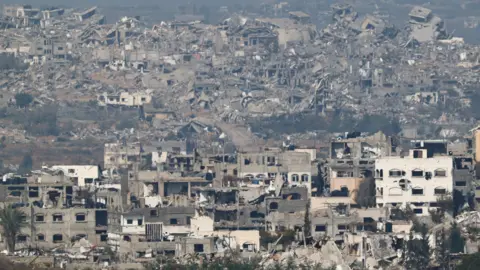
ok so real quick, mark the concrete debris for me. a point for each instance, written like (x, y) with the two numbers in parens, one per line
(284, 133)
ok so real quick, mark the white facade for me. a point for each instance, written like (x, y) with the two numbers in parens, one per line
(416, 180)
(133, 224)
(125, 99)
(84, 174)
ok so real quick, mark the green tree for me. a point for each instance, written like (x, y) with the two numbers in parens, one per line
(23, 99)
(469, 262)
(26, 165)
(12, 221)
(42, 122)
(437, 215)
(458, 202)
(375, 122)
(445, 204)
(230, 261)
(442, 249)
(457, 242)
(307, 225)
(417, 252)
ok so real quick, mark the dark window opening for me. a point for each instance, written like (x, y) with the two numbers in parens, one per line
(40, 237)
(21, 238)
(103, 237)
(273, 206)
(33, 192)
(440, 191)
(57, 238)
(173, 221)
(127, 238)
(342, 227)
(189, 220)
(418, 210)
(169, 253)
(320, 228)
(57, 218)
(417, 191)
(417, 173)
(461, 183)
(417, 154)
(153, 212)
(80, 217)
(440, 173)
(396, 173)
(256, 214)
(129, 221)
(139, 222)
(198, 248)
(39, 218)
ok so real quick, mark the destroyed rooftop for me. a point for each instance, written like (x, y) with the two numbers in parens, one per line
(200, 132)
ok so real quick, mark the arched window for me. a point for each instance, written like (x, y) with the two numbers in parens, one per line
(396, 173)
(295, 178)
(440, 173)
(305, 177)
(417, 173)
(417, 191)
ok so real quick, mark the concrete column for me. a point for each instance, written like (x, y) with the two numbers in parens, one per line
(161, 187)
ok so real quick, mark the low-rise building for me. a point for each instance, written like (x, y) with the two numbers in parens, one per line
(124, 99)
(81, 175)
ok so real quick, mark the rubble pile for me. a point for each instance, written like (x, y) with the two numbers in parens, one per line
(243, 68)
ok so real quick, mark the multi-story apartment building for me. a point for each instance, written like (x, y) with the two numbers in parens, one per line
(416, 180)
(55, 211)
(295, 167)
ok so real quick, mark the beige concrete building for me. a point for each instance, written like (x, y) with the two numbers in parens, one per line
(416, 180)
(55, 213)
(295, 167)
(118, 155)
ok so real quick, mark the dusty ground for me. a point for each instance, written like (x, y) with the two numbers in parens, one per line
(7, 264)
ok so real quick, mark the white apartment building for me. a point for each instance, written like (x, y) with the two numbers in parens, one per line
(415, 180)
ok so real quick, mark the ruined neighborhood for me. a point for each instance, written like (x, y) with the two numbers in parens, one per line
(279, 135)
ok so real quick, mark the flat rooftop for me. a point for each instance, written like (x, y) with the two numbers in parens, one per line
(420, 12)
